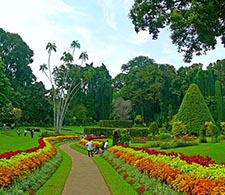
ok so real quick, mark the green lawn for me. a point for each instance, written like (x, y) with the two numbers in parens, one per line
(214, 150)
(10, 141)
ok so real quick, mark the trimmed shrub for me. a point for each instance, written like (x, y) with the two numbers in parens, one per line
(193, 111)
(116, 123)
(98, 131)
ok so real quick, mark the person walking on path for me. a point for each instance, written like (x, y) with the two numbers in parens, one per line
(85, 177)
(25, 132)
(89, 148)
(32, 133)
(106, 145)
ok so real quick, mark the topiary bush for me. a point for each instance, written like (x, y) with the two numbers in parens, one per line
(193, 111)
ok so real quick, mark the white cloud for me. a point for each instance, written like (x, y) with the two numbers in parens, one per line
(112, 11)
(142, 37)
(109, 12)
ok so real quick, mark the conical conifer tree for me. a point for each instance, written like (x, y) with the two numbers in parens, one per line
(193, 111)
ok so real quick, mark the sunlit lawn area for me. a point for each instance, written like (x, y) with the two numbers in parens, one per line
(10, 141)
(214, 150)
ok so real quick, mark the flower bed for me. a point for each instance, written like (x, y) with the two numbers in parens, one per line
(91, 137)
(22, 162)
(96, 143)
(194, 175)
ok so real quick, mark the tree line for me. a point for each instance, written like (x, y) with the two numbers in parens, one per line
(144, 91)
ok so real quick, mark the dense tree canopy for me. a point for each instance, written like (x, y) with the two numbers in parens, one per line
(154, 90)
(195, 25)
(22, 91)
(17, 57)
(95, 93)
(5, 86)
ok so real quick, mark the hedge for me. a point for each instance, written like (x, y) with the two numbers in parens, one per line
(116, 123)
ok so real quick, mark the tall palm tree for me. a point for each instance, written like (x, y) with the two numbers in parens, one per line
(83, 57)
(43, 68)
(67, 57)
(74, 45)
(50, 47)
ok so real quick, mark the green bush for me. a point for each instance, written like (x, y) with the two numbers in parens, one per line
(138, 132)
(153, 128)
(193, 111)
(179, 128)
(99, 131)
(153, 144)
(166, 145)
(116, 123)
(139, 140)
(134, 132)
(165, 136)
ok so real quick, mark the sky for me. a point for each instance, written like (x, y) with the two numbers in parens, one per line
(102, 27)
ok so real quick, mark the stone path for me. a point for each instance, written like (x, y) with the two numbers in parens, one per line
(85, 177)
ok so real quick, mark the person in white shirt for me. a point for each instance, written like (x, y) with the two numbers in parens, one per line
(89, 148)
(106, 145)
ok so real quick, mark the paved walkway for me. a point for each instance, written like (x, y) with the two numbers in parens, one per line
(85, 177)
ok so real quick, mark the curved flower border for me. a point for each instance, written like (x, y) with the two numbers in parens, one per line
(22, 162)
(194, 175)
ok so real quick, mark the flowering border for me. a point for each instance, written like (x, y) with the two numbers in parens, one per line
(186, 174)
(23, 162)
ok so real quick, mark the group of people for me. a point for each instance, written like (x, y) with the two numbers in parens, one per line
(25, 132)
(97, 150)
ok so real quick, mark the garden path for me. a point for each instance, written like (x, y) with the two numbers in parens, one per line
(85, 177)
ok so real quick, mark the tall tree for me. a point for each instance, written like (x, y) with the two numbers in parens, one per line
(195, 25)
(74, 45)
(149, 86)
(5, 86)
(219, 103)
(50, 47)
(64, 87)
(219, 71)
(122, 108)
(104, 93)
(97, 91)
(83, 57)
(137, 62)
(17, 57)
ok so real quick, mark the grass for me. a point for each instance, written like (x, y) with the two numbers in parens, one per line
(56, 183)
(10, 141)
(214, 150)
(115, 182)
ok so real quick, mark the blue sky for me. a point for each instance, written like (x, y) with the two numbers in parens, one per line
(102, 27)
